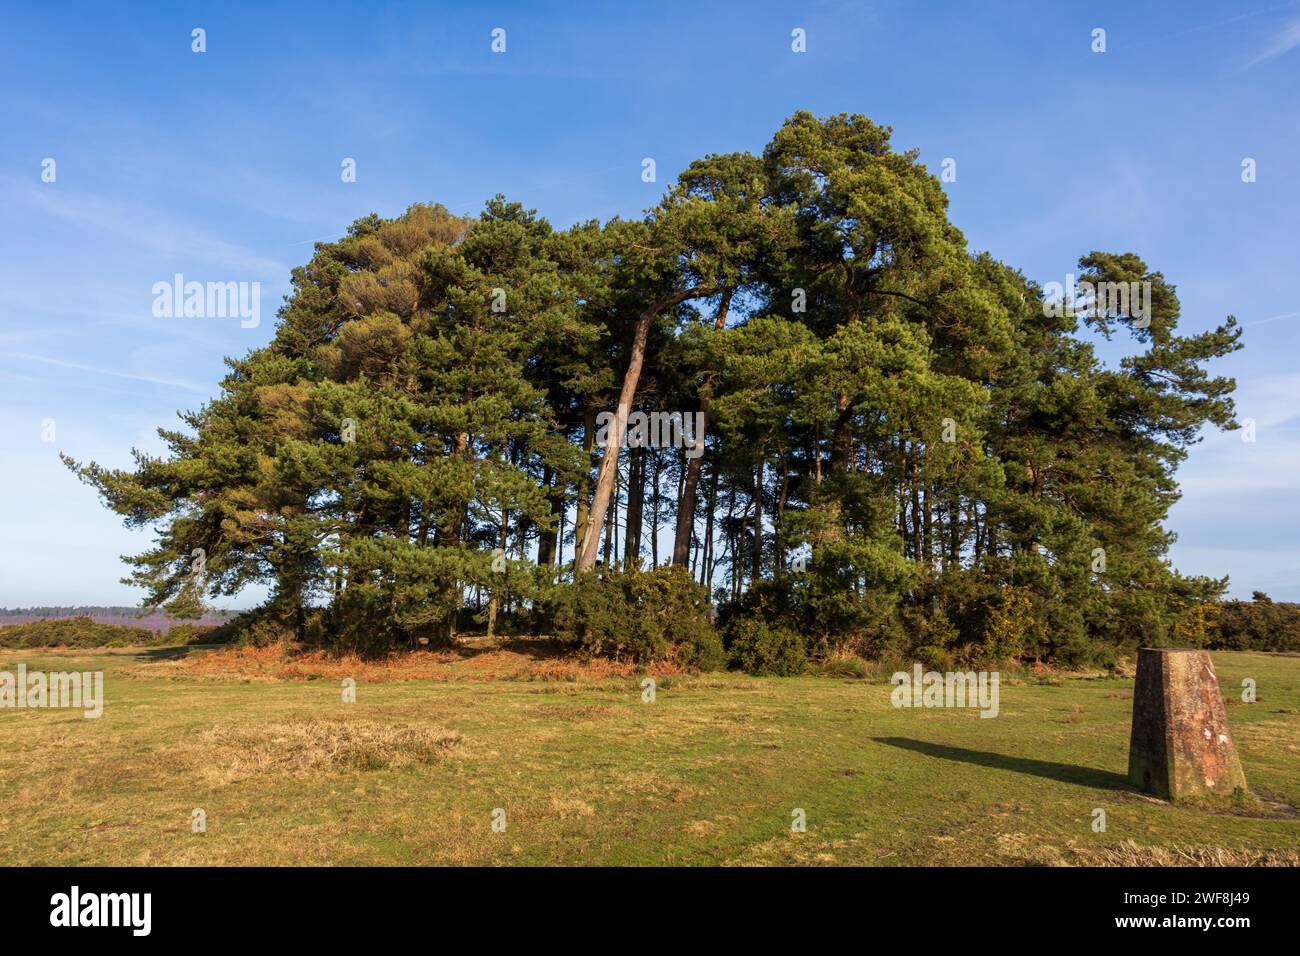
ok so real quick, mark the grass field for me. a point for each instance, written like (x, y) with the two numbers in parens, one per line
(587, 773)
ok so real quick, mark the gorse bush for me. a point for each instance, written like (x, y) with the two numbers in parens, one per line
(261, 627)
(844, 666)
(84, 632)
(644, 615)
(759, 647)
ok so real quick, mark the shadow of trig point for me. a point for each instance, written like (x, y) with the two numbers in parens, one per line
(1181, 745)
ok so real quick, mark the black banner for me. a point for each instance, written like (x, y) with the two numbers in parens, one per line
(333, 906)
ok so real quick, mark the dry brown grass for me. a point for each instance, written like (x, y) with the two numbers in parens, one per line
(1010, 849)
(477, 661)
(1129, 853)
(570, 807)
(236, 751)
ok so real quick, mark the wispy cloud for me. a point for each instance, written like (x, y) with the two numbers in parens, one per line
(1197, 27)
(1283, 42)
(1271, 318)
(143, 226)
(79, 367)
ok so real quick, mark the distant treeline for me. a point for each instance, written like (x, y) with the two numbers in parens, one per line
(84, 632)
(131, 617)
(1260, 624)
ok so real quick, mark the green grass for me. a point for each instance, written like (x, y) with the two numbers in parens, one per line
(588, 774)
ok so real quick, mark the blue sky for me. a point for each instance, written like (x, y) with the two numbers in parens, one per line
(225, 166)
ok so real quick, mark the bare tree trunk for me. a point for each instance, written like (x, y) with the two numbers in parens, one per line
(1037, 475)
(954, 531)
(706, 576)
(817, 455)
(449, 534)
(733, 546)
(900, 501)
(582, 517)
(559, 539)
(778, 525)
(916, 504)
(686, 503)
(546, 539)
(494, 601)
(842, 439)
(635, 508)
(927, 512)
(656, 474)
(758, 522)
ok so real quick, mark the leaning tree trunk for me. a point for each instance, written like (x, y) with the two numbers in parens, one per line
(613, 442)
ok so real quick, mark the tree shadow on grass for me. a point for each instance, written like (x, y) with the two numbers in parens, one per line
(1064, 772)
(171, 652)
(467, 647)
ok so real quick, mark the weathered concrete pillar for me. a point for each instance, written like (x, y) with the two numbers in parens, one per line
(1181, 744)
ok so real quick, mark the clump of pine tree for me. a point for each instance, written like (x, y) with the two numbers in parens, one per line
(899, 447)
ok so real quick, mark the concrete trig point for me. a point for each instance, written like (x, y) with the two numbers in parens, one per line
(1181, 745)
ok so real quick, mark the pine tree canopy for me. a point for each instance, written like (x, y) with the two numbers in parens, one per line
(848, 421)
